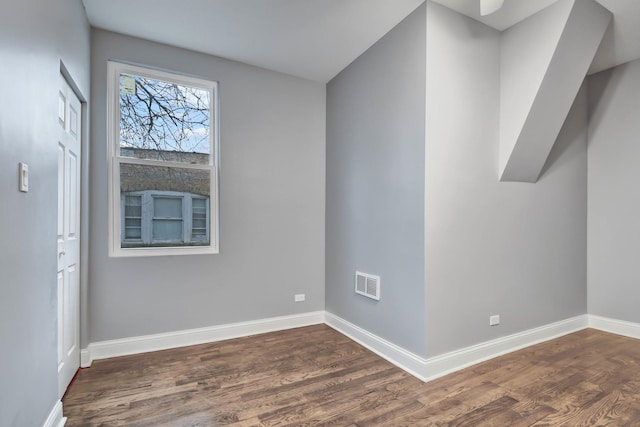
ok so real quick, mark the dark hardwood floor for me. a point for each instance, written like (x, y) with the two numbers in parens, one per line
(316, 376)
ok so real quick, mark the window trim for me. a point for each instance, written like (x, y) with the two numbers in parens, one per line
(114, 199)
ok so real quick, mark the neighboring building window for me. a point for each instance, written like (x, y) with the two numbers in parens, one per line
(157, 218)
(163, 146)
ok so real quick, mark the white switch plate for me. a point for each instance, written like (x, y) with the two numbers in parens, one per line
(298, 298)
(23, 176)
(494, 320)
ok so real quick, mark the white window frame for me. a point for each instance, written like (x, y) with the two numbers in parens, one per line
(116, 219)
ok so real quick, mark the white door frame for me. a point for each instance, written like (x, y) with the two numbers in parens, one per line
(84, 212)
(70, 245)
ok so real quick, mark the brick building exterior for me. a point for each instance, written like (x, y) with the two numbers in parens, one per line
(160, 178)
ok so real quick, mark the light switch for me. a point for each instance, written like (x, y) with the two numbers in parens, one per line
(24, 176)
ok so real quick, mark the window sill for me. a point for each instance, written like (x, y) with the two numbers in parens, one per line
(162, 251)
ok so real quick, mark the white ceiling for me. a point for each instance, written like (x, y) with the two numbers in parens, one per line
(313, 39)
(511, 12)
(316, 39)
(621, 42)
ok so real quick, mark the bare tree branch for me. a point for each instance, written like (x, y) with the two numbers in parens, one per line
(165, 116)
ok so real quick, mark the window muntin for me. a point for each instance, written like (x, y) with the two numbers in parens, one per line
(163, 175)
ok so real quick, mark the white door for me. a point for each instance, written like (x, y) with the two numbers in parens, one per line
(69, 120)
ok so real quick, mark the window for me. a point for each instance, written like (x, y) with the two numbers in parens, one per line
(163, 149)
(157, 218)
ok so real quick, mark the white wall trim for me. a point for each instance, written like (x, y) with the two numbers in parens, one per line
(55, 418)
(459, 359)
(425, 369)
(615, 326)
(404, 359)
(144, 344)
(85, 358)
(438, 366)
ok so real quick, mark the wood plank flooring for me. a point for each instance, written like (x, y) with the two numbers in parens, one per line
(316, 376)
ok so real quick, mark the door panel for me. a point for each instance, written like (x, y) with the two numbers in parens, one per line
(68, 235)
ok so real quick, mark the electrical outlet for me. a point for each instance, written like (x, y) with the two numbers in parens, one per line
(298, 297)
(494, 320)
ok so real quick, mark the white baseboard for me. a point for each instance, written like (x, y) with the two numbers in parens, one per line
(404, 359)
(435, 367)
(144, 344)
(454, 361)
(85, 358)
(55, 418)
(425, 369)
(614, 326)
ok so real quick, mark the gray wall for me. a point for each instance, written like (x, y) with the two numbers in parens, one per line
(513, 249)
(614, 199)
(272, 205)
(375, 185)
(34, 37)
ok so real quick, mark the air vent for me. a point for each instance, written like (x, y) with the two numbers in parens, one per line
(368, 285)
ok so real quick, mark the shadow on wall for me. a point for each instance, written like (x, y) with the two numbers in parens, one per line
(568, 134)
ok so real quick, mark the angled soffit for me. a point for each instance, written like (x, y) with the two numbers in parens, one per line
(544, 60)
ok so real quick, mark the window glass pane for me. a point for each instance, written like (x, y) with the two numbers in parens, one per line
(167, 219)
(162, 120)
(161, 178)
(199, 220)
(167, 207)
(167, 230)
(161, 196)
(133, 217)
(133, 232)
(133, 206)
